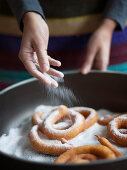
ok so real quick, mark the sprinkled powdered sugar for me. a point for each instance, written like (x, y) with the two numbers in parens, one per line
(47, 141)
(113, 126)
(62, 125)
(92, 111)
(61, 94)
(43, 109)
(78, 119)
(16, 143)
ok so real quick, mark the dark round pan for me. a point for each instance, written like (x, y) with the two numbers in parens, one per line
(97, 90)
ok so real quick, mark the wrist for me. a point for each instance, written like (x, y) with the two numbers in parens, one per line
(33, 20)
(30, 17)
(108, 25)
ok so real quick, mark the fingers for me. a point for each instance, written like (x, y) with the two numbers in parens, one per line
(55, 73)
(34, 69)
(54, 62)
(43, 77)
(51, 71)
(42, 56)
(30, 66)
(53, 82)
(44, 60)
(88, 61)
(102, 60)
(97, 59)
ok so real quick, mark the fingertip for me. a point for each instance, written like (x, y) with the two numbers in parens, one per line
(54, 84)
(54, 62)
(61, 75)
(104, 68)
(58, 63)
(47, 81)
(84, 71)
(42, 78)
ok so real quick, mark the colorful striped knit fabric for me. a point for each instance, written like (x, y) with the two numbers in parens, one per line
(67, 43)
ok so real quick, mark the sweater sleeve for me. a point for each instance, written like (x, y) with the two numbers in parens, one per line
(116, 10)
(20, 7)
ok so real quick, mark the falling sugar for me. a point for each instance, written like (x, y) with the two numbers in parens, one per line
(61, 95)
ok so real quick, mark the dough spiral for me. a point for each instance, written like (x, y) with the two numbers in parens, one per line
(52, 129)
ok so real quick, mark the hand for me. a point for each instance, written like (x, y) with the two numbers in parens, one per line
(33, 51)
(98, 50)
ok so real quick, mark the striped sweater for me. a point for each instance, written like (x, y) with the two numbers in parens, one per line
(70, 23)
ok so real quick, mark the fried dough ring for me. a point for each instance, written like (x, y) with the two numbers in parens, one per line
(37, 118)
(100, 151)
(90, 115)
(113, 130)
(48, 123)
(77, 126)
(53, 147)
(104, 120)
(105, 142)
(82, 158)
(46, 146)
(62, 125)
(40, 115)
(40, 142)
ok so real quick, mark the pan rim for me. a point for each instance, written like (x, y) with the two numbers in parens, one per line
(99, 162)
(65, 72)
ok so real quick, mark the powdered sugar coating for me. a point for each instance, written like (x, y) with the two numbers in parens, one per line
(63, 125)
(47, 124)
(91, 111)
(16, 142)
(43, 109)
(113, 126)
(44, 140)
